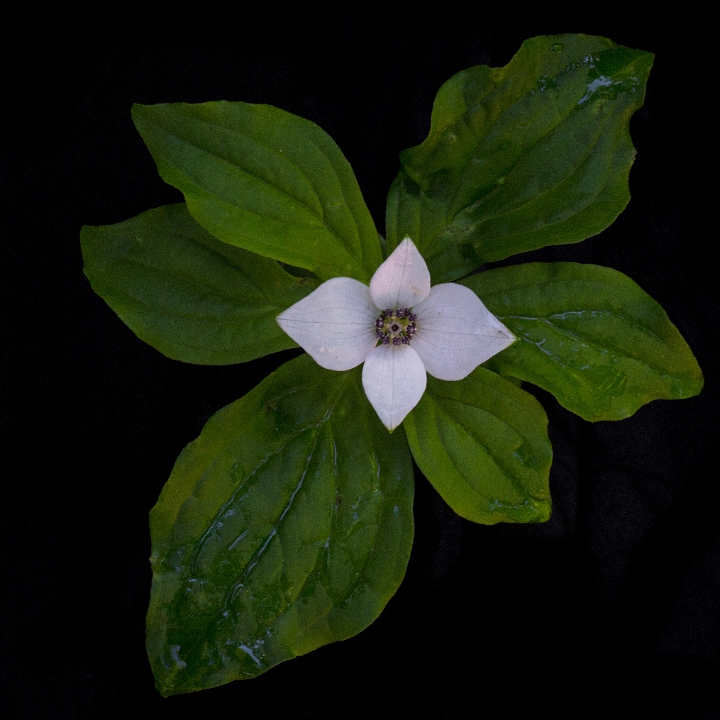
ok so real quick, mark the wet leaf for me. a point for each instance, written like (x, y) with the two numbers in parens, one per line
(535, 153)
(285, 526)
(589, 335)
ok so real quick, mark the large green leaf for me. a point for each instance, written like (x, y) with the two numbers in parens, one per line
(265, 180)
(285, 526)
(589, 335)
(483, 443)
(188, 295)
(535, 153)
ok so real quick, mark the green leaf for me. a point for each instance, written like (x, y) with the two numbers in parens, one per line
(262, 179)
(188, 295)
(483, 443)
(589, 335)
(285, 526)
(535, 153)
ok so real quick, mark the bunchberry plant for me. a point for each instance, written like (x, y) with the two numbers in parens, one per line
(287, 524)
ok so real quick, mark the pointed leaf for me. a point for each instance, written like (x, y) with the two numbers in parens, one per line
(589, 335)
(483, 443)
(265, 180)
(535, 153)
(188, 295)
(285, 526)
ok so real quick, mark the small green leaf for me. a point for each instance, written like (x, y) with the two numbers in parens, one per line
(589, 335)
(265, 180)
(188, 295)
(535, 153)
(285, 526)
(483, 443)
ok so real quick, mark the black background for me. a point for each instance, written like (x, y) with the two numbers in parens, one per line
(609, 610)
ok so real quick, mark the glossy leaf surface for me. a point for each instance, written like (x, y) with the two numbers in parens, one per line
(188, 295)
(265, 180)
(483, 443)
(589, 335)
(285, 526)
(535, 153)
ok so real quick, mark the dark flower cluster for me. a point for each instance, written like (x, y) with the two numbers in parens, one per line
(396, 326)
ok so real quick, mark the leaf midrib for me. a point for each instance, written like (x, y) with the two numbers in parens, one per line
(659, 370)
(515, 481)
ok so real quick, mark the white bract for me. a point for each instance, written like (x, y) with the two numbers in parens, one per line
(400, 327)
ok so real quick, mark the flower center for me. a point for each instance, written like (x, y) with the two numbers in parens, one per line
(395, 326)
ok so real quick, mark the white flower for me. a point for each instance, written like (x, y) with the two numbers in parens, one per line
(399, 327)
